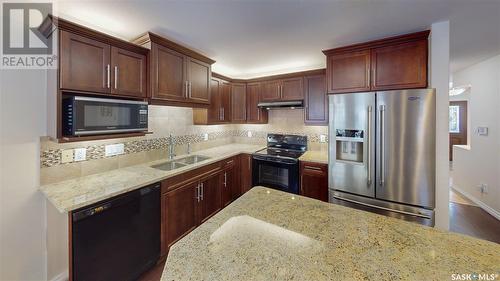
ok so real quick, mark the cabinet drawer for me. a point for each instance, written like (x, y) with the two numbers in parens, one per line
(174, 182)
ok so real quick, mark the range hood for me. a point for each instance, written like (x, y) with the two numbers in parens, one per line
(281, 104)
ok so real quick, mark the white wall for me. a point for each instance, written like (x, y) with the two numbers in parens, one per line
(22, 207)
(480, 163)
(440, 73)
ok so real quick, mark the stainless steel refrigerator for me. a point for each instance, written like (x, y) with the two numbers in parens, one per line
(382, 152)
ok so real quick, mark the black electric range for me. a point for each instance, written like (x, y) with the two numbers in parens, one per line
(277, 166)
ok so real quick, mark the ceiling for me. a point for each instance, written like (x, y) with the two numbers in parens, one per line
(257, 38)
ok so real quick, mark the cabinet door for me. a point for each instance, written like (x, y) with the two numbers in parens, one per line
(199, 81)
(85, 64)
(271, 90)
(210, 197)
(400, 66)
(214, 109)
(226, 102)
(292, 89)
(348, 72)
(245, 172)
(179, 209)
(315, 99)
(239, 104)
(254, 113)
(129, 73)
(314, 180)
(167, 75)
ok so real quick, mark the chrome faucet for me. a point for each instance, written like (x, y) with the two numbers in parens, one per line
(171, 154)
(189, 148)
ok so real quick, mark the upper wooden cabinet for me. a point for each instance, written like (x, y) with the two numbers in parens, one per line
(220, 107)
(348, 72)
(282, 89)
(93, 66)
(179, 76)
(399, 66)
(315, 100)
(225, 102)
(255, 115)
(129, 73)
(392, 63)
(239, 103)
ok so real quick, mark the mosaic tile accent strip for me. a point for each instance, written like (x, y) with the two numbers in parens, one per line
(52, 157)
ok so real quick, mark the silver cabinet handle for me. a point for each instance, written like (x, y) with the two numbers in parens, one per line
(190, 93)
(312, 168)
(220, 113)
(225, 179)
(116, 77)
(369, 144)
(202, 191)
(108, 76)
(223, 113)
(186, 87)
(198, 193)
(382, 144)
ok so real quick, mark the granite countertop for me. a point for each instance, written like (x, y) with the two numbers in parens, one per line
(76, 193)
(315, 156)
(272, 235)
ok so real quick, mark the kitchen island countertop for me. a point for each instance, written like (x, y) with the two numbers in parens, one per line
(272, 235)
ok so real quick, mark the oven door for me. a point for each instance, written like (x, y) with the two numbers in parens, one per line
(283, 175)
(101, 116)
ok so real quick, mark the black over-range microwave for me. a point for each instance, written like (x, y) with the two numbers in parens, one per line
(93, 116)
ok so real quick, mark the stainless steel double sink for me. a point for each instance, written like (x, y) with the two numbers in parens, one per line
(179, 163)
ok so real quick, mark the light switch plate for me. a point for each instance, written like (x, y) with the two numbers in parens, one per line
(80, 154)
(67, 156)
(114, 149)
(322, 138)
(205, 136)
(249, 134)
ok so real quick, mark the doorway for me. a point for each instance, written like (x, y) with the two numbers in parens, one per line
(458, 124)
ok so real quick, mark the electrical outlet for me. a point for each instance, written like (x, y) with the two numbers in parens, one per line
(67, 156)
(322, 138)
(482, 131)
(114, 149)
(80, 154)
(483, 188)
(205, 136)
(249, 134)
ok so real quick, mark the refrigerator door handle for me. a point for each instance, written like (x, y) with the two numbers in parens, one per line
(369, 144)
(382, 144)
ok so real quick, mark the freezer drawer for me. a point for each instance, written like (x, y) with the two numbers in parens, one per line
(406, 147)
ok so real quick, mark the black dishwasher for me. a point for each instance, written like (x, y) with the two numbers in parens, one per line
(117, 239)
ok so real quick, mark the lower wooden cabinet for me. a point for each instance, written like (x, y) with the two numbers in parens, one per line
(231, 187)
(314, 180)
(245, 172)
(209, 201)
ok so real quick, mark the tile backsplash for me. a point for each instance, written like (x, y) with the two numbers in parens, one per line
(164, 121)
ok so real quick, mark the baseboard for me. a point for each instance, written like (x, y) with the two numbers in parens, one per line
(478, 202)
(63, 276)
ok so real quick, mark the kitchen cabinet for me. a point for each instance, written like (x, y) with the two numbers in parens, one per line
(231, 188)
(315, 100)
(210, 197)
(219, 110)
(282, 89)
(314, 180)
(94, 66)
(85, 64)
(245, 172)
(399, 62)
(178, 76)
(348, 72)
(238, 103)
(179, 217)
(255, 115)
(401, 66)
(129, 73)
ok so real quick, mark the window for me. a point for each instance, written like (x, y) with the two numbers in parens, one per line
(454, 119)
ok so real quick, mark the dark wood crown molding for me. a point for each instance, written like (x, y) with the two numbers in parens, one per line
(51, 23)
(273, 77)
(380, 42)
(155, 38)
